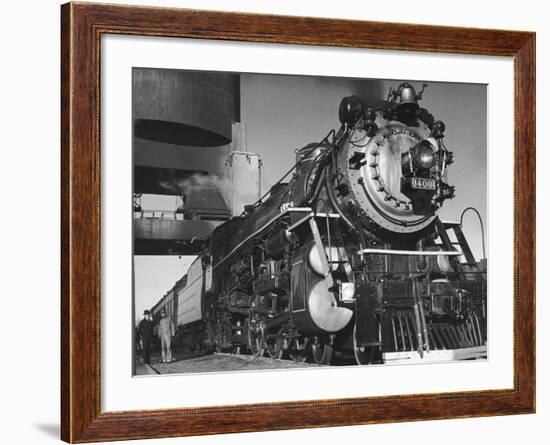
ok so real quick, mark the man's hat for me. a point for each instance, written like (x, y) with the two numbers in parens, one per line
(146, 312)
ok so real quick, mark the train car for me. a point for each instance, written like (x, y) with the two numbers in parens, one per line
(191, 324)
(349, 257)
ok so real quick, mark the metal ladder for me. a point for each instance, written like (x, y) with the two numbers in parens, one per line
(443, 232)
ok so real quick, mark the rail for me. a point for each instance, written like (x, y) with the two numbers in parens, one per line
(171, 215)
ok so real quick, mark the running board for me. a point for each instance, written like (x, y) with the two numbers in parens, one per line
(411, 252)
(438, 355)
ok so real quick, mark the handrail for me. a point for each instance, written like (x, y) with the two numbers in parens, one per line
(412, 252)
(473, 209)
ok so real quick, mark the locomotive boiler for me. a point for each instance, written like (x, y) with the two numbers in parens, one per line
(348, 258)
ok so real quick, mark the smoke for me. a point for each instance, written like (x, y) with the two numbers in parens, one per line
(201, 183)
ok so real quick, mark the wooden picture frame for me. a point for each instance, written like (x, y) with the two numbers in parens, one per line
(82, 26)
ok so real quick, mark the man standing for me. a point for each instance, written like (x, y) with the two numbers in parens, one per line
(166, 332)
(138, 339)
(146, 332)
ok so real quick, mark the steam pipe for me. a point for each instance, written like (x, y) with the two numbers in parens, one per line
(332, 198)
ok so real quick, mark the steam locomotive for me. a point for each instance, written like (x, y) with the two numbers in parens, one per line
(349, 257)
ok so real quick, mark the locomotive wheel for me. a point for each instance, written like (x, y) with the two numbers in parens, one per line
(256, 339)
(365, 355)
(274, 345)
(321, 352)
(298, 350)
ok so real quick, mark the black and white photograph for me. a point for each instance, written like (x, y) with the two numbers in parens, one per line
(276, 222)
(291, 221)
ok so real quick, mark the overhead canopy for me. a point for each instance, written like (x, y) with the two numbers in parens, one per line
(184, 107)
(153, 236)
(164, 155)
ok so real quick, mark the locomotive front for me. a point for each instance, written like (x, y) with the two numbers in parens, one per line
(392, 164)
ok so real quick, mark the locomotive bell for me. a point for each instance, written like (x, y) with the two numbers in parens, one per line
(406, 104)
(407, 94)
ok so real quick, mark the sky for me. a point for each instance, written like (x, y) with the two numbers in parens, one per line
(154, 276)
(282, 113)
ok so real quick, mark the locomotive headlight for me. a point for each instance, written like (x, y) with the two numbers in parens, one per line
(351, 109)
(347, 291)
(424, 155)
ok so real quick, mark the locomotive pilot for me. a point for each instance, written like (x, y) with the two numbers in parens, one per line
(166, 332)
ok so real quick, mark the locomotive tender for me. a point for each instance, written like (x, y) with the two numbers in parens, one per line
(349, 257)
